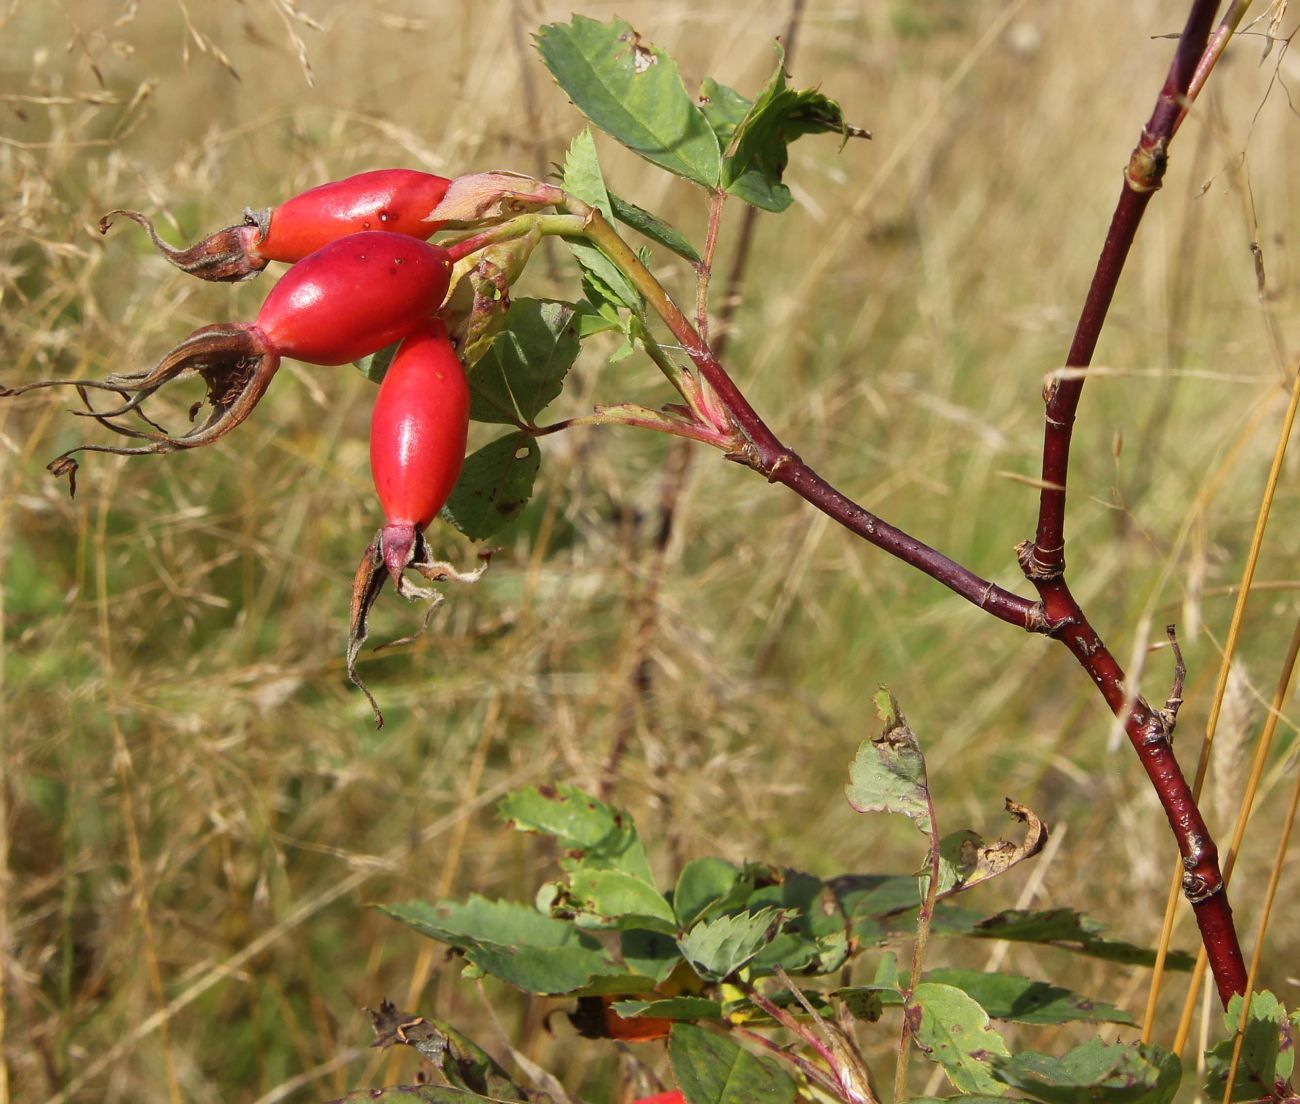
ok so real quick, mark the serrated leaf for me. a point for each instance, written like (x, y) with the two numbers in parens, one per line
(591, 322)
(709, 884)
(718, 948)
(671, 1008)
(618, 985)
(1023, 1000)
(713, 1069)
(758, 152)
(724, 108)
(1064, 928)
(600, 835)
(1267, 1051)
(602, 281)
(494, 486)
(524, 369)
(582, 175)
(1116, 1073)
(653, 227)
(620, 899)
(651, 953)
(511, 941)
(954, 1031)
(888, 773)
(631, 90)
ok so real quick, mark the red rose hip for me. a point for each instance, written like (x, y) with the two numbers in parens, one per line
(398, 201)
(417, 437)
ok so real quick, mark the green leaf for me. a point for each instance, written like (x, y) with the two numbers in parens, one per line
(725, 109)
(604, 283)
(759, 152)
(590, 321)
(671, 1008)
(888, 774)
(957, 859)
(1064, 928)
(582, 175)
(713, 1069)
(1116, 1073)
(511, 941)
(619, 899)
(1267, 1051)
(494, 486)
(709, 885)
(653, 227)
(632, 92)
(375, 366)
(524, 369)
(954, 1031)
(1023, 1000)
(594, 833)
(718, 948)
(867, 1002)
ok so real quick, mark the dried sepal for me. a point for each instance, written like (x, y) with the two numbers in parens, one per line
(227, 256)
(394, 550)
(489, 197)
(234, 360)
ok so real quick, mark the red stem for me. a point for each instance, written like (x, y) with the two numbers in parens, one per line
(1043, 560)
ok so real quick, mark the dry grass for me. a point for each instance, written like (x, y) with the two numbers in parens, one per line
(196, 807)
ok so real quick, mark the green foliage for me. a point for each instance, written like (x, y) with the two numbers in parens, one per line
(653, 227)
(716, 949)
(516, 943)
(524, 369)
(1023, 1000)
(713, 1069)
(495, 486)
(696, 956)
(953, 1030)
(631, 90)
(1267, 1050)
(1117, 1073)
(757, 143)
(888, 773)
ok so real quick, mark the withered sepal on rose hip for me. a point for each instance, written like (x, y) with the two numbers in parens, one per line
(341, 303)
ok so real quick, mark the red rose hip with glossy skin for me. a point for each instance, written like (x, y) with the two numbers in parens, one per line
(398, 201)
(417, 437)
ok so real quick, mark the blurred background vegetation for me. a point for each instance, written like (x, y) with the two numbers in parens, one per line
(196, 806)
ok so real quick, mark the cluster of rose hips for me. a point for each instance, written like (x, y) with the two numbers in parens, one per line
(364, 277)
